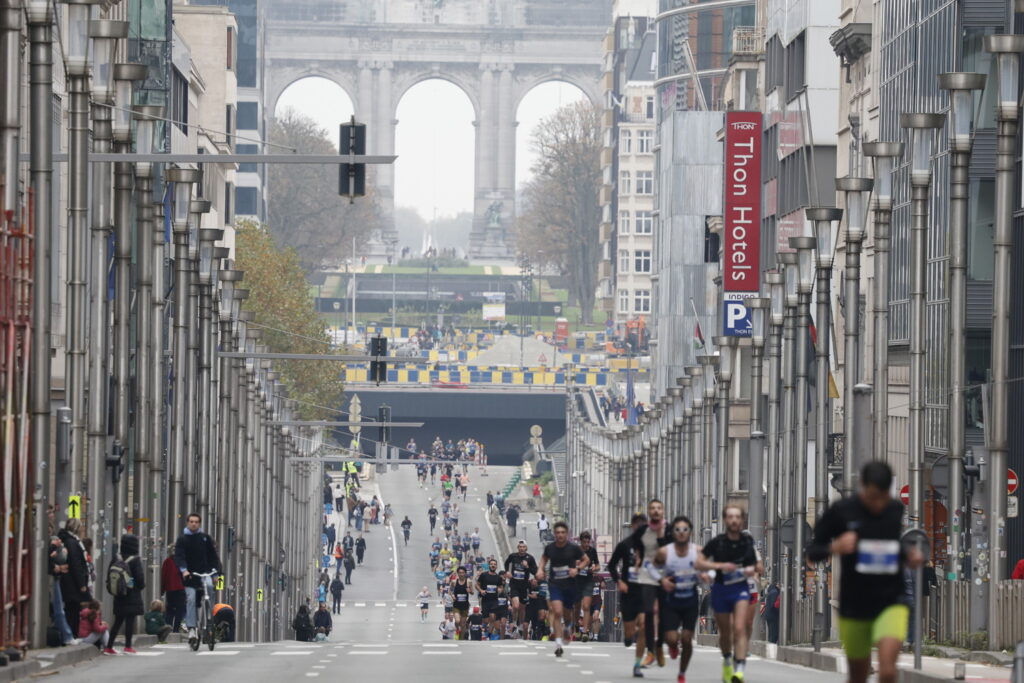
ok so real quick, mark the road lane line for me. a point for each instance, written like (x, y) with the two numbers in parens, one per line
(368, 652)
(587, 673)
(360, 604)
(312, 673)
(380, 604)
(287, 652)
(401, 604)
(442, 652)
(148, 654)
(574, 666)
(589, 654)
(520, 654)
(369, 645)
(440, 644)
(225, 653)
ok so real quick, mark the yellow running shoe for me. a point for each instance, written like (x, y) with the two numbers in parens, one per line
(737, 677)
(727, 673)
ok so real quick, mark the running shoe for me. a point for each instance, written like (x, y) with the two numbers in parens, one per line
(737, 677)
(673, 651)
(130, 651)
(681, 678)
(109, 651)
(558, 651)
(727, 673)
(660, 654)
(649, 659)
(638, 672)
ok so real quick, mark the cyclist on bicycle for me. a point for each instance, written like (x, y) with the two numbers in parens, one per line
(406, 528)
(195, 553)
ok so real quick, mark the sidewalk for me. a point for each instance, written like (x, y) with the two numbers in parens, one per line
(47, 661)
(832, 659)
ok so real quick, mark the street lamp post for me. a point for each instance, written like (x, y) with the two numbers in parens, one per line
(884, 155)
(697, 436)
(183, 179)
(922, 134)
(726, 352)
(710, 364)
(1007, 50)
(961, 87)
(755, 471)
(207, 267)
(787, 458)
(775, 282)
(39, 14)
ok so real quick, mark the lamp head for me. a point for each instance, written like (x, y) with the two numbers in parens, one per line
(146, 117)
(961, 87)
(105, 34)
(883, 155)
(855, 192)
(775, 282)
(1007, 49)
(759, 308)
(183, 180)
(39, 12)
(822, 219)
(922, 141)
(791, 282)
(76, 55)
(805, 262)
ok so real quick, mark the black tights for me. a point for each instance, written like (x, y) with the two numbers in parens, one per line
(129, 630)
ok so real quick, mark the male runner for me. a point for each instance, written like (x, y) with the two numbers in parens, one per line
(476, 625)
(678, 576)
(461, 591)
(501, 611)
(432, 514)
(406, 528)
(520, 567)
(865, 532)
(622, 567)
(423, 598)
(585, 579)
(647, 540)
(489, 583)
(596, 603)
(563, 558)
(537, 610)
(734, 559)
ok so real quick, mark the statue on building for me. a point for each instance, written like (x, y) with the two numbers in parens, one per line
(492, 218)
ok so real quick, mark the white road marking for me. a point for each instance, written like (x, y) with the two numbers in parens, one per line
(380, 604)
(574, 666)
(590, 654)
(238, 646)
(516, 645)
(166, 646)
(369, 652)
(401, 604)
(528, 654)
(360, 604)
(148, 654)
(297, 647)
(369, 645)
(440, 644)
(312, 673)
(587, 673)
(442, 652)
(228, 653)
(288, 652)
(325, 661)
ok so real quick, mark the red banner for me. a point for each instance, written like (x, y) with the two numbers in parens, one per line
(742, 201)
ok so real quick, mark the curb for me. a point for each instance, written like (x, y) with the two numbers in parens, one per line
(54, 659)
(18, 670)
(817, 660)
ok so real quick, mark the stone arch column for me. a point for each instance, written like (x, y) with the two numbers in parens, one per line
(494, 177)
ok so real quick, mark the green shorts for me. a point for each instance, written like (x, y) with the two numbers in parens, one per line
(860, 635)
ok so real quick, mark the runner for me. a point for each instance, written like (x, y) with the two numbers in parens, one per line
(489, 583)
(622, 567)
(563, 558)
(476, 625)
(423, 598)
(537, 610)
(678, 576)
(646, 541)
(865, 532)
(734, 559)
(406, 528)
(432, 515)
(461, 591)
(474, 539)
(520, 568)
(585, 579)
(754, 588)
(596, 603)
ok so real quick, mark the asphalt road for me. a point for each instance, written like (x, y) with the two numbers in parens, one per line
(379, 635)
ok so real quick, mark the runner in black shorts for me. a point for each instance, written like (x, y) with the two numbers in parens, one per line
(562, 558)
(585, 579)
(646, 542)
(622, 567)
(537, 610)
(520, 567)
(489, 583)
(675, 567)
(596, 603)
(461, 591)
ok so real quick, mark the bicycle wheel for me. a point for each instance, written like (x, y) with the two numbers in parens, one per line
(210, 639)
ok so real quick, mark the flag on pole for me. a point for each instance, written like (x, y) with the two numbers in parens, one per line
(698, 335)
(630, 400)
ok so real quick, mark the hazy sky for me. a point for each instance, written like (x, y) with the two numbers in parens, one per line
(434, 140)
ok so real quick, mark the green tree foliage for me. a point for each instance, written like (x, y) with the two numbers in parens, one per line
(284, 308)
(305, 211)
(560, 214)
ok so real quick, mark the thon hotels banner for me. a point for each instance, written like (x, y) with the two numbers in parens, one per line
(742, 227)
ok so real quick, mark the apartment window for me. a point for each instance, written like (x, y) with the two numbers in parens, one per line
(623, 222)
(229, 122)
(229, 194)
(230, 49)
(711, 245)
(650, 107)
(179, 101)
(247, 201)
(644, 141)
(644, 222)
(642, 261)
(980, 229)
(248, 116)
(623, 301)
(795, 57)
(645, 182)
(642, 301)
(625, 183)
(247, 149)
(623, 261)
(625, 142)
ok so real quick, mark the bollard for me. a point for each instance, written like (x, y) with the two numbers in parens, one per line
(1017, 676)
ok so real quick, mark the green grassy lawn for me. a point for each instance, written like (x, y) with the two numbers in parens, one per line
(460, 270)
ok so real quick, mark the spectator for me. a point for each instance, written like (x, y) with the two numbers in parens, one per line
(360, 548)
(490, 500)
(350, 564)
(1018, 571)
(74, 582)
(337, 586)
(536, 490)
(129, 605)
(156, 625)
(512, 517)
(331, 535)
(302, 625)
(91, 627)
(58, 566)
(173, 590)
(322, 619)
(542, 527)
(772, 603)
(224, 617)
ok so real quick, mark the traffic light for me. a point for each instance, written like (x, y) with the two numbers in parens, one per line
(378, 368)
(352, 177)
(384, 417)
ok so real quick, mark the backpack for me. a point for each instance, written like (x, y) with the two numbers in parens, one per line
(119, 577)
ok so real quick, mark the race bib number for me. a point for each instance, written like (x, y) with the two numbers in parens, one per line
(560, 572)
(735, 576)
(492, 589)
(686, 585)
(502, 601)
(877, 557)
(518, 574)
(632, 574)
(597, 589)
(584, 573)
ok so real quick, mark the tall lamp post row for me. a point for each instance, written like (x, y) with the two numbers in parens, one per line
(273, 549)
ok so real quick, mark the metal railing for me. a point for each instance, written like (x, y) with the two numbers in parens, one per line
(802, 626)
(1011, 606)
(957, 632)
(747, 40)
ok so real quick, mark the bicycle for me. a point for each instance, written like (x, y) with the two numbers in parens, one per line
(205, 631)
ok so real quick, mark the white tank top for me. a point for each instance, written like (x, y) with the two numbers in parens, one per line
(684, 572)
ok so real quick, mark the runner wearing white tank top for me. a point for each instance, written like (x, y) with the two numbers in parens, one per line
(675, 567)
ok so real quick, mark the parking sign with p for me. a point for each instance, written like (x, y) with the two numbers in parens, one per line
(736, 320)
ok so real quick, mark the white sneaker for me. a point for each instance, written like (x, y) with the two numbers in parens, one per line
(191, 633)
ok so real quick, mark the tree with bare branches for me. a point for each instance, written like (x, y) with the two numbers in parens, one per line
(560, 211)
(305, 211)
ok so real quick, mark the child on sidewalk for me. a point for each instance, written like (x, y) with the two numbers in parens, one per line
(156, 625)
(92, 628)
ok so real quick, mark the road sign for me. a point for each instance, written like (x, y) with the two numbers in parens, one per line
(905, 494)
(1012, 508)
(220, 583)
(259, 595)
(736, 319)
(542, 359)
(1012, 481)
(74, 507)
(536, 430)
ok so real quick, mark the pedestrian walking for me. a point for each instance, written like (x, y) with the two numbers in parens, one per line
(337, 587)
(512, 517)
(125, 580)
(173, 590)
(490, 501)
(322, 622)
(360, 548)
(302, 625)
(350, 564)
(74, 582)
(542, 526)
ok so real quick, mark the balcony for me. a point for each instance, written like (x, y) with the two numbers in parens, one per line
(748, 40)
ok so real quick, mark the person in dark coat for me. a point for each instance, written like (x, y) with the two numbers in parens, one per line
(174, 590)
(127, 607)
(302, 625)
(74, 583)
(360, 548)
(350, 564)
